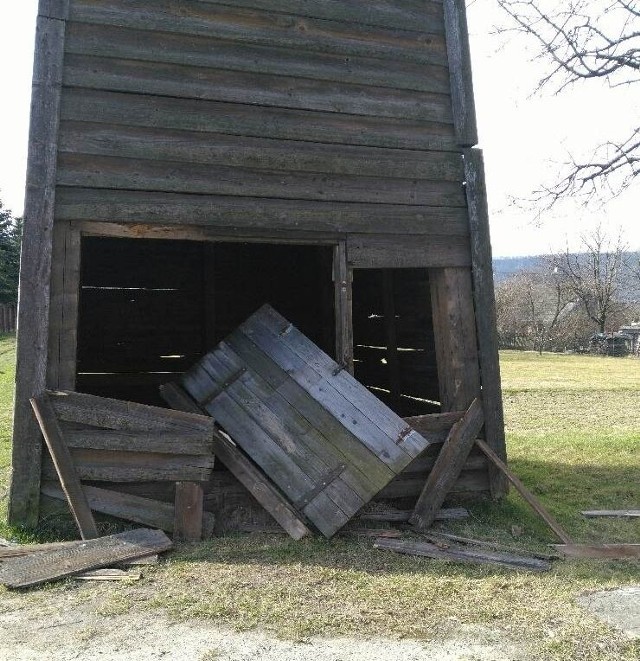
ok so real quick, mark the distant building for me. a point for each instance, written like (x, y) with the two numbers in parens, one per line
(633, 331)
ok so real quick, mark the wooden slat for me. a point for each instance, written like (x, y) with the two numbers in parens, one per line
(535, 504)
(600, 551)
(376, 251)
(35, 267)
(239, 119)
(208, 52)
(162, 144)
(434, 423)
(632, 514)
(145, 175)
(125, 416)
(343, 306)
(20, 550)
(139, 441)
(485, 306)
(459, 58)
(448, 465)
(428, 550)
(188, 512)
(444, 514)
(254, 27)
(173, 80)
(92, 554)
(244, 470)
(65, 467)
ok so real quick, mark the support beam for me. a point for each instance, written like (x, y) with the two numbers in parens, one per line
(342, 278)
(35, 263)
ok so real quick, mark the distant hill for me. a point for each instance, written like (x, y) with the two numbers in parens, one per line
(504, 267)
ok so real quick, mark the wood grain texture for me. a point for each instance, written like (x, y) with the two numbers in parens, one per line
(35, 264)
(92, 554)
(188, 512)
(459, 58)
(343, 306)
(448, 465)
(65, 466)
(485, 306)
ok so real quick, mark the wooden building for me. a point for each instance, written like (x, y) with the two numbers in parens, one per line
(191, 160)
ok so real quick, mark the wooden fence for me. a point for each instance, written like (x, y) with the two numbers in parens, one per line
(8, 317)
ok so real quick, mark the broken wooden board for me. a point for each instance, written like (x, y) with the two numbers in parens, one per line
(633, 514)
(146, 511)
(325, 441)
(244, 470)
(108, 575)
(600, 551)
(533, 502)
(448, 465)
(444, 514)
(427, 550)
(91, 554)
(65, 467)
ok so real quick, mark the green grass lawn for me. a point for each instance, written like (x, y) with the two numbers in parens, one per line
(573, 438)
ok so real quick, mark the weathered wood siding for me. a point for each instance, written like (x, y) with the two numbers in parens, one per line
(262, 115)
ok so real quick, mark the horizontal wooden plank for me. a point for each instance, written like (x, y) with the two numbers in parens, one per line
(247, 214)
(106, 172)
(250, 26)
(411, 485)
(138, 441)
(635, 514)
(188, 82)
(106, 466)
(436, 251)
(255, 154)
(92, 554)
(124, 415)
(213, 53)
(239, 119)
(129, 507)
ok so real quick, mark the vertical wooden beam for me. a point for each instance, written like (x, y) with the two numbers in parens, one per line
(342, 278)
(454, 330)
(36, 257)
(485, 303)
(389, 311)
(189, 510)
(459, 57)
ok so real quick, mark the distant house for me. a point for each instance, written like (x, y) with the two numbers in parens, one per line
(633, 332)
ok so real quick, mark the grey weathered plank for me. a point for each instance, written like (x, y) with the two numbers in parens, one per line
(632, 514)
(459, 58)
(444, 514)
(241, 119)
(89, 171)
(411, 485)
(252, 215)
(461, 555)
(207, 52)
(448, 465)
(20, 550)
(258, 153)
(343, 308)
(169, 442)
(35, 264)
(375, 251)
(244, 470)
(174, 80)
(534, 503)
(189, 504)
(248, 26)
(125, 416)
(65, 467)
(435, 423)
(485, 305)
(92, 554)
(454, 330)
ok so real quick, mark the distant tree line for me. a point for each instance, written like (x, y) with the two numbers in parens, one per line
(571, 301)
(10, 238)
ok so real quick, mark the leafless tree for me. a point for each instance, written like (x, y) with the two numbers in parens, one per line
(587, 40)
(593, 275)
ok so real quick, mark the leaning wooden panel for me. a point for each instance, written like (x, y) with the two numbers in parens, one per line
(319, 470)
(35, 262)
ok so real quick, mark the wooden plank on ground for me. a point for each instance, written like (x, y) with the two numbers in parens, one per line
(611, 513)
(146, 511)
(91, 554)
(600, 551)
(425, 549)
(448, 465)
(244, 470)
(108, 575)
(525, 493)
(189, 509)
(64, 467)
(20, 550)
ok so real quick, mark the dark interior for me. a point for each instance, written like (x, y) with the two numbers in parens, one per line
(150, 308)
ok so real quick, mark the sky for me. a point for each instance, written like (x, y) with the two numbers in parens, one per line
(526, 135)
